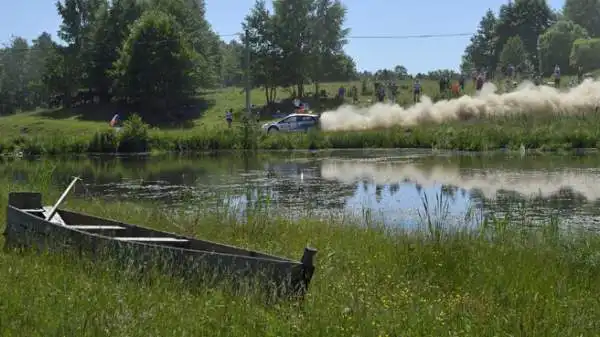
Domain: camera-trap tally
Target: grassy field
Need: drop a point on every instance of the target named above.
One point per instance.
(504, 278)
(85, 129)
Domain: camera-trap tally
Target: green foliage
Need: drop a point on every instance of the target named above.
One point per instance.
(134, 135)
(156, 64)
(553, 43)
(514, 53)
(105, 141)
(543, 132)
(584, 13)
(481, 51)
(585, 54)
(300, 41)
(525, 19)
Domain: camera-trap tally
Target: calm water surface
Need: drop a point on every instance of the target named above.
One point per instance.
(384, 185)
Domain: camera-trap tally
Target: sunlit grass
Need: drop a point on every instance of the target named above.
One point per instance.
(501, 278)
(33, 133)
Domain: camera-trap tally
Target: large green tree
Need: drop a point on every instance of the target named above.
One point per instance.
(585, 13)
(514, 53)
(190, 15)
(15, 75)
(156, 64)
(527, 19)
(556, 44)
(78, 19)
(266, 57)
(481, 51)
(294, 38)
(328, 37)
(112, 28)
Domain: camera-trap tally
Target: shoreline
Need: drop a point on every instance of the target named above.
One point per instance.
(455, 137)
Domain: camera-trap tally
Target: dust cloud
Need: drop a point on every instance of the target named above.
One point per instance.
(527, 98)
(488, 181)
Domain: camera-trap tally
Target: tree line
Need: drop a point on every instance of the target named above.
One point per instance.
(530, 36)
(157, 53)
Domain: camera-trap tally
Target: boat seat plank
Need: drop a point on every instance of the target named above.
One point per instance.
(150, 239)
(92, 227)
(36, 210)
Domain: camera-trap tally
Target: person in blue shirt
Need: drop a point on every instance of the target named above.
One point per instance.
(417, 91)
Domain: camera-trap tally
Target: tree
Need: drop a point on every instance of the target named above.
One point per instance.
(292, 22)
(585, 13)
(556, 44)
(481, 52)
(59, 73)
(15, 75)
(231, 73)
(514, 53)
(39, 55)
(328, 37)
(342, 68)
(401, 72)
(157, 65)
(78, 17)
(111, 30)
(265, 55)
(527, 19)
(585, 54)
(190, 15)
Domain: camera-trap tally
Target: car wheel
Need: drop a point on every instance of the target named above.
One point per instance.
(273, 129)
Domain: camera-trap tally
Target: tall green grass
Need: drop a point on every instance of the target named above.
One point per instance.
(501, 278)
(556, 132)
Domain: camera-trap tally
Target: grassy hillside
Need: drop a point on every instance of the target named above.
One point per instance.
(202, 126)
(209, 111)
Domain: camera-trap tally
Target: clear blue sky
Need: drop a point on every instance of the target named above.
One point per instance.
(375, 17)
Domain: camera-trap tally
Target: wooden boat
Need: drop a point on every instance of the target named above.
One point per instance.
(30, 225)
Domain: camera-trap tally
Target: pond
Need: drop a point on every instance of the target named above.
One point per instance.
(391, 186)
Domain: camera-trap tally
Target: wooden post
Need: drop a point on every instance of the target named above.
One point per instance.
(308, 258)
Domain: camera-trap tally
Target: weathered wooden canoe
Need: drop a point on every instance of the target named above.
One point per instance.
(28, 226)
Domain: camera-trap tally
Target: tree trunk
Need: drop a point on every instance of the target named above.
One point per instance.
(267, 94)
(300, 86)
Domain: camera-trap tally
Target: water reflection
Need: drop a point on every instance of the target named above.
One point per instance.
(386, 185)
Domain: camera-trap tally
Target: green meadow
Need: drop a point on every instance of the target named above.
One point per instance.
(85, 129)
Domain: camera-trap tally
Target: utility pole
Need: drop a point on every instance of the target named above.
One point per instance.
(247, 75)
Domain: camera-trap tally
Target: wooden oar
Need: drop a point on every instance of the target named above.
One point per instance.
(62, 197)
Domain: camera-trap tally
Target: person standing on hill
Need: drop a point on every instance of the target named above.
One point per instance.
(580, 74)
(510, 71)
(443, 84)
(417, 91)
(461, 82)
(479, 82)
(341, 92)
(455, 89)
(354, 94)
(393, 91)
(381, 93)
(557, 76)
(229, 117)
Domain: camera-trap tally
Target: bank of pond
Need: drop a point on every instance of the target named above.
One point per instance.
(546, 133)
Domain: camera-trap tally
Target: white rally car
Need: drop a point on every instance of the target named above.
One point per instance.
(293, 123)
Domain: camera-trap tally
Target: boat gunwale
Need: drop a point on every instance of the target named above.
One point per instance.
(283, 260)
